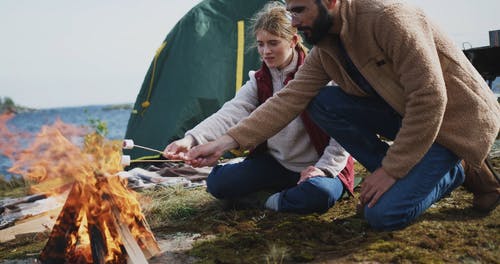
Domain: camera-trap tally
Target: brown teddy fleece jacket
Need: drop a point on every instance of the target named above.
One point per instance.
(412, 65)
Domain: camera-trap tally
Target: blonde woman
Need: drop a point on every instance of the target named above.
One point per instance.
(308, 170)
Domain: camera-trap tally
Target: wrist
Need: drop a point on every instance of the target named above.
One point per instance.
(227, 142)
(190, 140)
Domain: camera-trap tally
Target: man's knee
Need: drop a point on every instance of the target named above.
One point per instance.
(386, 219)
(328, 100)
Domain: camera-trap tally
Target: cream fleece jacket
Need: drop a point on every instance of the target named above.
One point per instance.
(291, 146)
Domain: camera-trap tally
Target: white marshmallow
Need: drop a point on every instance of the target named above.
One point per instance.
(128, 144)
(125, 160)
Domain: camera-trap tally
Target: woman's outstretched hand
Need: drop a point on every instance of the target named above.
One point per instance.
(209, 153)
(179, 148)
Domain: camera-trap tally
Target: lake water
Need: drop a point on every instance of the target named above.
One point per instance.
(31, 122)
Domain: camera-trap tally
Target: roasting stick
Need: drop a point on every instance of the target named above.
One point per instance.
(129, 144)
(126, 161)
(139, 161)
(150, 149)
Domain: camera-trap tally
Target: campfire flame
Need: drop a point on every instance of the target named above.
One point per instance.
(98, 203)
(9, 141)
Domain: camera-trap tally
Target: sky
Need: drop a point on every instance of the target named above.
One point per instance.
(57, 53)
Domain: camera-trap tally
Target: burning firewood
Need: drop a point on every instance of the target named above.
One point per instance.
(105, 233)
(101, 220)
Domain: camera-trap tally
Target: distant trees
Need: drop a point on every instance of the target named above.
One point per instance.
(7, 104)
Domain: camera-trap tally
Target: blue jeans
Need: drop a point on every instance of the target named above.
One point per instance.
(355, 123)
(263, 172)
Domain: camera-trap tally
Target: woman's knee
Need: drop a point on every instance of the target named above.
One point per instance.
(317, 200)
(216, 185)
(308, 198)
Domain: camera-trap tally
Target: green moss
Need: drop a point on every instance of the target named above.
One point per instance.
(383, 246)
(450, 231)
(303, 256)
(235, 248)
(26, 245)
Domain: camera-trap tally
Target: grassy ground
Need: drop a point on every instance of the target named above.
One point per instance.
(15, 187)
(449, 232)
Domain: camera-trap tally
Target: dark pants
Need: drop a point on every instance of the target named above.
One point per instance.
(263, 172)
(355, 123)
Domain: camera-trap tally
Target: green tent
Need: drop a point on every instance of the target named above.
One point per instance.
(202, 62)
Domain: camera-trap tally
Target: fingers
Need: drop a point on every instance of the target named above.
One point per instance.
(307, 177)
(202, 162)
(368, 190)
(174, 153)
(304, 175)
(374, 186)
(302, 179)
(374, 199)
(310, 172)
(202, 155)
(177, 149)
(364, 196)
(369, 195)
(195, 153)
(170, 151)
(209, 153)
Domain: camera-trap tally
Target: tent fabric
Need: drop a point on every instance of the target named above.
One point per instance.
(198, 67)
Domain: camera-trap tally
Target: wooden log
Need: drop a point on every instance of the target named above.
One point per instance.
(61, 246)
(134, 252)
(150, 245)
(97, 245)
(66, 226)
(27, 199)
(147, 242)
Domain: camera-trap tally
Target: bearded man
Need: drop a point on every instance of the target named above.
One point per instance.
(399, 77)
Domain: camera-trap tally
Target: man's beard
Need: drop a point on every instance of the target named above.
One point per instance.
(320, 27)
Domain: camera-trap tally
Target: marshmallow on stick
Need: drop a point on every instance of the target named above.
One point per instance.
(129, 144)
(125, 160)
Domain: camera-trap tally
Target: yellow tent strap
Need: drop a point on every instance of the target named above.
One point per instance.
(147, 103)
(239, 55)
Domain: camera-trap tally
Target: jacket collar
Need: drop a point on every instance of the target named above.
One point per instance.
(347, 10)
(290, 68)
(265, 73)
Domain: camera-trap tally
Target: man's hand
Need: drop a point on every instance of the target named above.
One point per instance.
(310, 172)
(374, 186)
(179, 148)
(209, 153)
